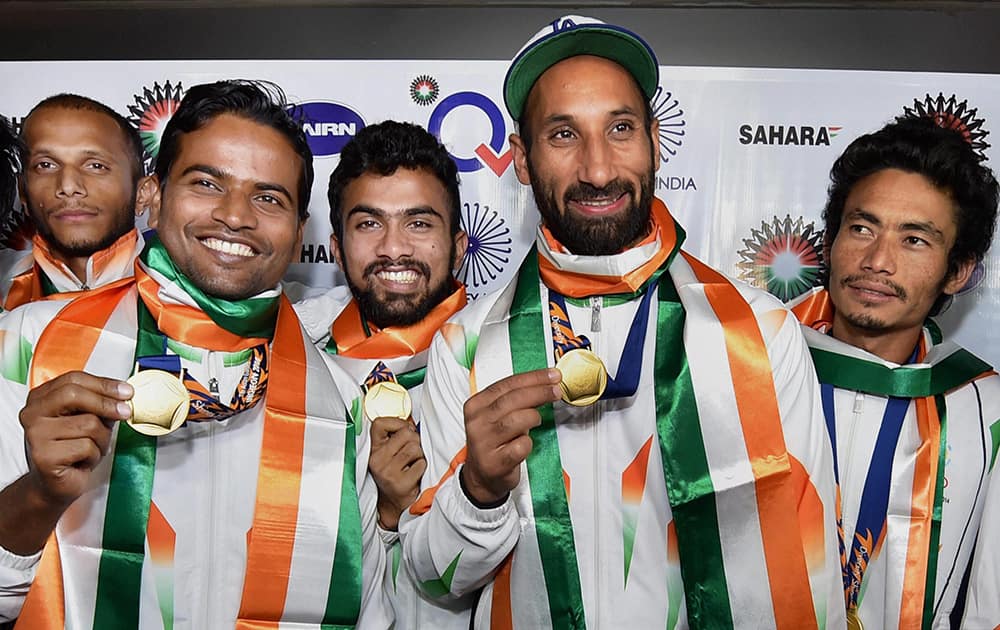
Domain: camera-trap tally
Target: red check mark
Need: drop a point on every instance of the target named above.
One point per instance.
(497, 163)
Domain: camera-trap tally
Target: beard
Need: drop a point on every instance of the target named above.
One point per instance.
(600, 236)
(82, 248)
(386, 309)
(865, 321)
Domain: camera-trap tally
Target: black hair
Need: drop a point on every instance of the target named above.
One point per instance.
(11, 148)
(74, 101)
(259, 101)
(943, 156)
(385, 147)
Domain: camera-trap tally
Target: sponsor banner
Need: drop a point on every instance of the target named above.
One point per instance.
(744, 164)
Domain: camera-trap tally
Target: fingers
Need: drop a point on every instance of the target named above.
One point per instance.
(400, 451)
(383, 428)
(67, 426)
(520, 391)
(78, 392)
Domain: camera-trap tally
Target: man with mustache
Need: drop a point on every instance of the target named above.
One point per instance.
(911, 212)
(672, 469)
(397, 235)
(223, 484)
(82, 186)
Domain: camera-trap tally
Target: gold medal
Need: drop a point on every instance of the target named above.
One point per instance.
(853, 621)
(583, 377)
(387, 399)
(159, 402)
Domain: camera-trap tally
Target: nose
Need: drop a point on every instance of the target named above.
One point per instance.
(879, 256)
(235, 211)
(395, 242)
(597, 166)
(70, 183)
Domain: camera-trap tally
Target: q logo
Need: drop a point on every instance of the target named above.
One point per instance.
(488, 154)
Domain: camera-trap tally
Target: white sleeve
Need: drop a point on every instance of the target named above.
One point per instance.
(16, 572)
(449, 545)
(982, 604)
(376, 610)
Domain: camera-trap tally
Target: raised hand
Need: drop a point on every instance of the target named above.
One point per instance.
(497, 422)
(396, 463)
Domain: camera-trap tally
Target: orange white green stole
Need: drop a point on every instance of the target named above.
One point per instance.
(44, 276)
(711, 521)
(292, 509)
(937, 368)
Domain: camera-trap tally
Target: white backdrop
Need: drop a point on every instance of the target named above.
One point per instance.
(746, 152)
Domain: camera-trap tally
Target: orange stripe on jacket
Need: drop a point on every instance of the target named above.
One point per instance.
(757, 404)
(423, 503)
(44, 607)
(921, 512)
(269, 555)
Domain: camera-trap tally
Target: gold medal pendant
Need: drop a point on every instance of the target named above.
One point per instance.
(583, 377)
(853, 621)
(387, 399)
(159, 403)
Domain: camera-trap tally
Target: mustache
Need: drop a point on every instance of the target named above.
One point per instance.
(380, 265)
(582, 191)
(897, 289)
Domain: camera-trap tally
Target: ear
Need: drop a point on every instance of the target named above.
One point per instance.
(145, 189)
(335, 251)
(960, 278)
(461, 246)
(520, 159)
(654, 137)
(155, 201)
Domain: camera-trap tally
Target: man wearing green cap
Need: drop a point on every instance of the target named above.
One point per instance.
(673, 470)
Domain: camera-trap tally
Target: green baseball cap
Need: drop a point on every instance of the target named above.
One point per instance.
(573, 35)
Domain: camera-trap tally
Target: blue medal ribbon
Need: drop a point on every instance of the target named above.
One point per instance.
(870, 526)
(626, 381)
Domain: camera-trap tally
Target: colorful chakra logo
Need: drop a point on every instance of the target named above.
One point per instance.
(667, 110)
(950, 114)
(489, 245)
(424, 90)
(150, 114)
(784, 256)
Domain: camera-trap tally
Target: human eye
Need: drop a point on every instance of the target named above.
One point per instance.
(623, 127)
(206, 184)
(43, 165)
(367, 224)
(562, 135)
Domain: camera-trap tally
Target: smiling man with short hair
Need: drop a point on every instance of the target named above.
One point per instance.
(397, 235)
(598, 429)
(223, 485)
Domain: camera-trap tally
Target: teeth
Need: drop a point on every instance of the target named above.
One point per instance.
(226, 247)
(404, 277)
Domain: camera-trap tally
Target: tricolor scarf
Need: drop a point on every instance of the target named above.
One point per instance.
(42, 275)
(130, 318)
(939, 367)
(695, 417)
(351, 336)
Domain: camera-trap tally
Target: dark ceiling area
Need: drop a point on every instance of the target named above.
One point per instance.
(954, 36)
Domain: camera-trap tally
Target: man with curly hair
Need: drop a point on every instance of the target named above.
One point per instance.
(913, 418)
